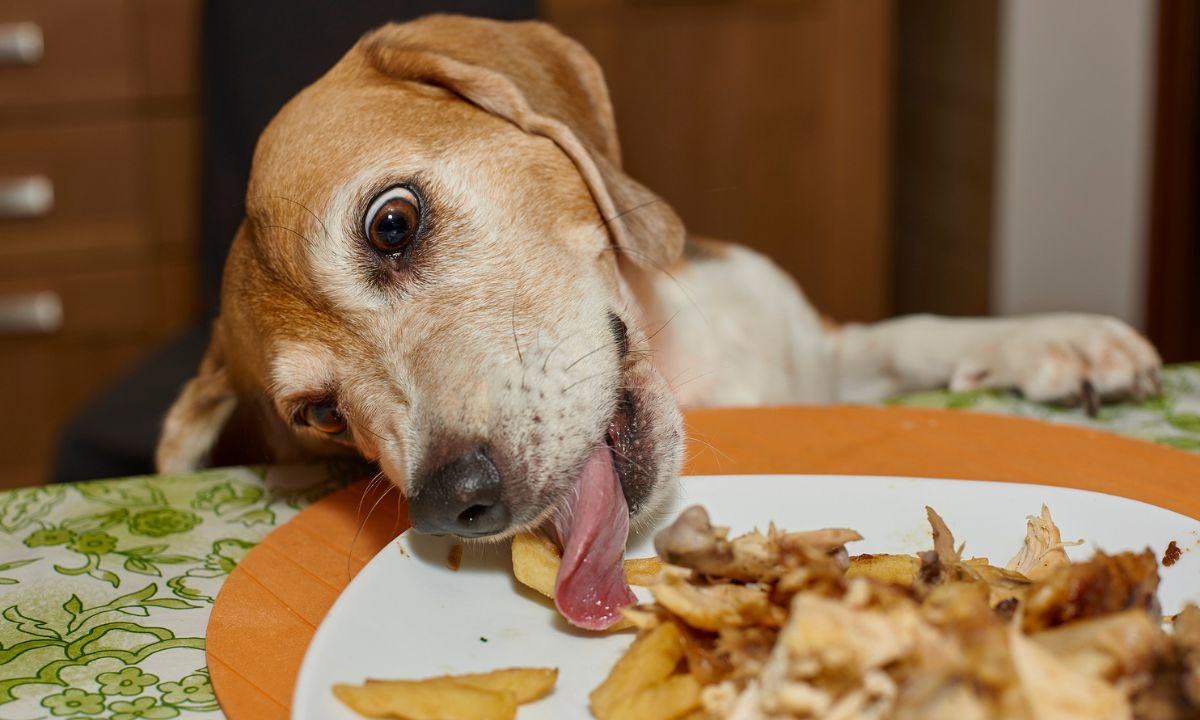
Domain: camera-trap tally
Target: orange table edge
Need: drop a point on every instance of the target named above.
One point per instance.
(272, 603)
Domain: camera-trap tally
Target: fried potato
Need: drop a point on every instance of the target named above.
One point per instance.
(895, 569)
(535, 564)
(524, 684)
(642, 571)
(473, 696)
(673, 698)
(434, 699)
(650, 660)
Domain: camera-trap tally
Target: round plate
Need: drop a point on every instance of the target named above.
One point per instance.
(408, 615)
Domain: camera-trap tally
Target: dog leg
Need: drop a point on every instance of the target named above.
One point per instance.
(1048, 358)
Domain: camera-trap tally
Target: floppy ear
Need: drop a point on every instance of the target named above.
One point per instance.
(195, 420)
(546, 84)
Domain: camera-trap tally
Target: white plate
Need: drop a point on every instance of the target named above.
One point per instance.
(406, 615)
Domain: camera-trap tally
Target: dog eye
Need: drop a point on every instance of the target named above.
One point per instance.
(392, 220)
(323, 415)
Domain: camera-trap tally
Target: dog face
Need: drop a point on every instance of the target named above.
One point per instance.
(431, 275)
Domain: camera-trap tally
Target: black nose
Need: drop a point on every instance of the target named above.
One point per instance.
(462, 497)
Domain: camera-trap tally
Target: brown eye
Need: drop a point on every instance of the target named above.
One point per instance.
(323, 415)
(392, 220)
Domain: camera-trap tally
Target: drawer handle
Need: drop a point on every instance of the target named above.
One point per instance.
(39, 313)
(20, 43)
(26, 197)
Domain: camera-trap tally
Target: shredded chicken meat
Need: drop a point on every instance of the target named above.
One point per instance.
(787, 626)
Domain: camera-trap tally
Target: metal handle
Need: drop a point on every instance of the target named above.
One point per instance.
(39, 313)
(21, 43)
(26, 197)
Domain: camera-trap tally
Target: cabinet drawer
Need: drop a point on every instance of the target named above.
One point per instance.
(85, 52)
(96, 208)
(123, 303)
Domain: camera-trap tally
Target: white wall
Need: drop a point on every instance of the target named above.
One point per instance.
(1076, 94)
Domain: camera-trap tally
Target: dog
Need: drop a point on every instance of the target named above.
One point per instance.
(444, 270)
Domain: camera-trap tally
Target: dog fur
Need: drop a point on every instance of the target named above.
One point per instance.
(496, 330)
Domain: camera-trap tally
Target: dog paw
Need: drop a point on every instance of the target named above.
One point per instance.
(1064, 358)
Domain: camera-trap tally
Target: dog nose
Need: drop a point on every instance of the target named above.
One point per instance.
(463, 498)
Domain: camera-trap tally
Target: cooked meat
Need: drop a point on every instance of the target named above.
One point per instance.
(692, 542)
(1043, 550)
(712, 607)
(1105, 584)
(776, 628)
(1187, 646)
(1109, 647)
(1054, 689)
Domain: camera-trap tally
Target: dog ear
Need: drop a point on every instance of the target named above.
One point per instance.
(546, 84)
(195, 421)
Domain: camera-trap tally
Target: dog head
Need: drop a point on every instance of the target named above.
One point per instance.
(438, 271)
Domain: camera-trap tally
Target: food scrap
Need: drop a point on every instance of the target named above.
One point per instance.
(788, 626)
(1172, 555)
(492, 695)
(454, 559)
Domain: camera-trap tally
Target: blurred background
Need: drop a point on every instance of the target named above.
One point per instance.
(965, 158)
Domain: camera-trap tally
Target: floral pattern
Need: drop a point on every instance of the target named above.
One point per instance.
(106, 587)
(74, 701)
(1171, 418)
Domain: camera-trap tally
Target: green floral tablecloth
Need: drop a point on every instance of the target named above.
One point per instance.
(106, 587)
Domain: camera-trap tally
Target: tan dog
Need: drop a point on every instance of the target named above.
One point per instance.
(443, 269)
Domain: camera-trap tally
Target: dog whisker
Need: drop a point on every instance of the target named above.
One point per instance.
(303, 207)
(584, 379)
(587, 354)
(362, 525)
(675, 386)
(689, 439)
(357, 425)
(556, 346)
(516, 342)
(605, 221)
(358, 512)
(288, 229)
(661, 327)
(658, 266)
(628, 459)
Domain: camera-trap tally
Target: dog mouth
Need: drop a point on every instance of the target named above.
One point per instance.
(591, 526)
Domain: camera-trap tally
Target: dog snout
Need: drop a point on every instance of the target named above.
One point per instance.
(463, 497)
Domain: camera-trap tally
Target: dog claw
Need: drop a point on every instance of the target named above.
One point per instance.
(1091, 399)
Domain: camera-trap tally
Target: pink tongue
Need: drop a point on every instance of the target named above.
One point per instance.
(593, 527)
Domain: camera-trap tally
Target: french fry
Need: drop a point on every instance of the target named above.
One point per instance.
(895, 569)
(650, 660)
(673, 698)
(535, 564)
(434, 699)
(642, 571)
(524, 684)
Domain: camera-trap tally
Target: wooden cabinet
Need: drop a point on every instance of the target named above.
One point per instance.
(99, 167)
(766, 122)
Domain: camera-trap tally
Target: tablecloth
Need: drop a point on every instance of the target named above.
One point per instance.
(106, 586)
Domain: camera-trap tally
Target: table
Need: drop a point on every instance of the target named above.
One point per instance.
(106, 587)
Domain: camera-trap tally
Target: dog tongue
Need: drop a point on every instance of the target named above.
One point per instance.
(593, 527)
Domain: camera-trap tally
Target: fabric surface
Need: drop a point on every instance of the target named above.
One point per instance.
(106, 587)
